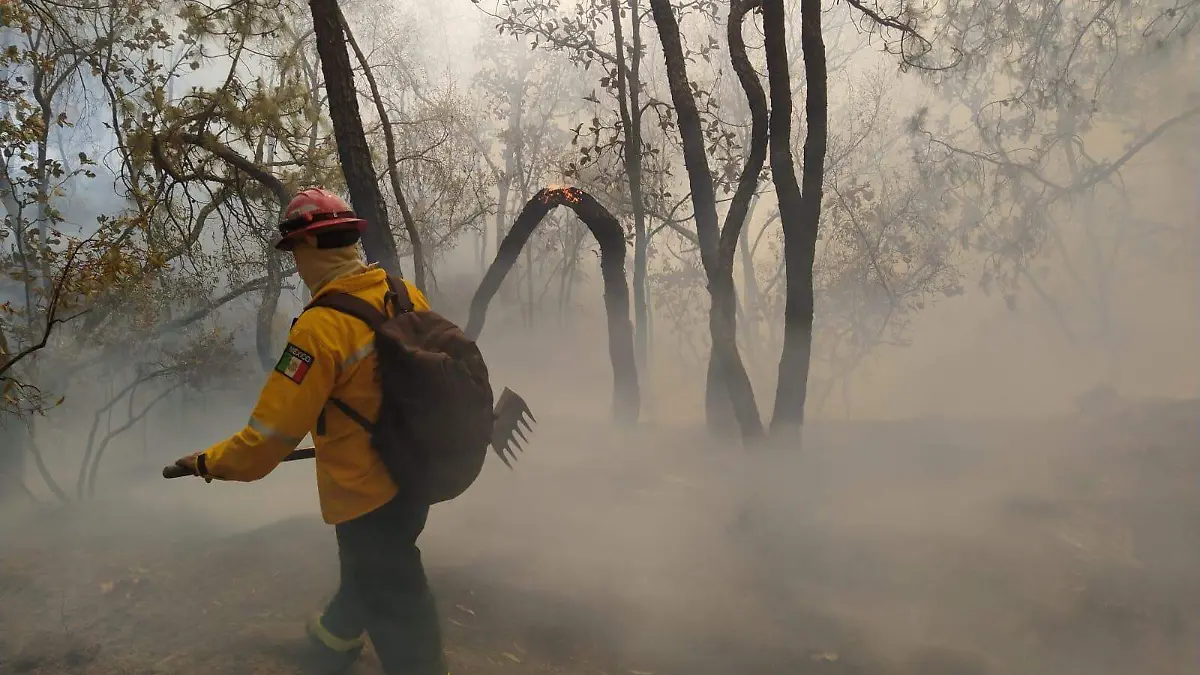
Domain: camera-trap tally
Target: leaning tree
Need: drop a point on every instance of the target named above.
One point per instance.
(611, 238)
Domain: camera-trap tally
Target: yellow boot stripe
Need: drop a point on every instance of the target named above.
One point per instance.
(330, 640)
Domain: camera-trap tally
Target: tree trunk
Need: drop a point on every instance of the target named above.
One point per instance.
(799, 212)
(12, 451)
(716, 246)
(750, 292)
(629, 95)
(353, 151)
(1104, 266)
(389, 139)
(511, 137)
(505, 184)
(529, 286)
(264, 334)
(611, 238)
(43, 201)
(40, 462)
(567, 284)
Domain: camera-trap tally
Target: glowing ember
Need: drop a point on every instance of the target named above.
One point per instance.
(566, 193)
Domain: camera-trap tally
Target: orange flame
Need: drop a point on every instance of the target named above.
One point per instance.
(566, 193)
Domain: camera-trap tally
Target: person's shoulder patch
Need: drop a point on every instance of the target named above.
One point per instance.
(294, 363)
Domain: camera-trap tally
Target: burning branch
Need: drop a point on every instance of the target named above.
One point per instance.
(560, 195)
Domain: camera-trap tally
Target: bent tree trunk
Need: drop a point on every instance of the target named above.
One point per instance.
(353, 151)
(611, 238)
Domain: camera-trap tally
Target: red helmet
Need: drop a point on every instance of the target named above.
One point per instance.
(315, 211)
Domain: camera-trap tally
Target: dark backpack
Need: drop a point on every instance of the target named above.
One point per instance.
(435, 417)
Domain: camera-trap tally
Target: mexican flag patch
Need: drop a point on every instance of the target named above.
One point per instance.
(294, 363)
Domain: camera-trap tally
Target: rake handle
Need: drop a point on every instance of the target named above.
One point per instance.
(176, 471)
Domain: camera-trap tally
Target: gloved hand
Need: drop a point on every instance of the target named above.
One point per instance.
(194, 464)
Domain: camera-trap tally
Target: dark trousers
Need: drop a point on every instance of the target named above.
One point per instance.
(383, 590)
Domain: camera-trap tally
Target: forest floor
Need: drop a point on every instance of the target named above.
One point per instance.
(931, 547)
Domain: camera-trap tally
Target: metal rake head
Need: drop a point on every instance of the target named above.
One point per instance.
(511, 412)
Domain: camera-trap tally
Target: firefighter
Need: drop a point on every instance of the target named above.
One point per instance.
(383, 590)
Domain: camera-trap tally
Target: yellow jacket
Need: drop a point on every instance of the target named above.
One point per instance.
(328, 354)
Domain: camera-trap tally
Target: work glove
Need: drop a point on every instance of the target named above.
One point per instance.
(194, 464)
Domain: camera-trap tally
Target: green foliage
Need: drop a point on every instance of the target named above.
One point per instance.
(216, 112)
(93, 292)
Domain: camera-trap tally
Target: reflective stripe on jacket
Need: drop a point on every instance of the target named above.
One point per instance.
(328, 354)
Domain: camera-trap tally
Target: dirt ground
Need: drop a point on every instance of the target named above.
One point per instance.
(933, 547)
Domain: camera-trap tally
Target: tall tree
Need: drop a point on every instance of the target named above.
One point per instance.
(717, 244)
(393, 168)
(629, 102)
(799, 209)
(352, 145)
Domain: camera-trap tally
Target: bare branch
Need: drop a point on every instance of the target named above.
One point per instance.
(393, 171)
(52, 318)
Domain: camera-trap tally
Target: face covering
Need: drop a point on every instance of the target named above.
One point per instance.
(319, 266)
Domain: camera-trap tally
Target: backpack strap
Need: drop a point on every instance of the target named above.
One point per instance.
(400, 300)
(353, 414)
(365, 312)
(352, 305)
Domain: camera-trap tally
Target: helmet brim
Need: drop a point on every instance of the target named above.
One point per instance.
(288, 242)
